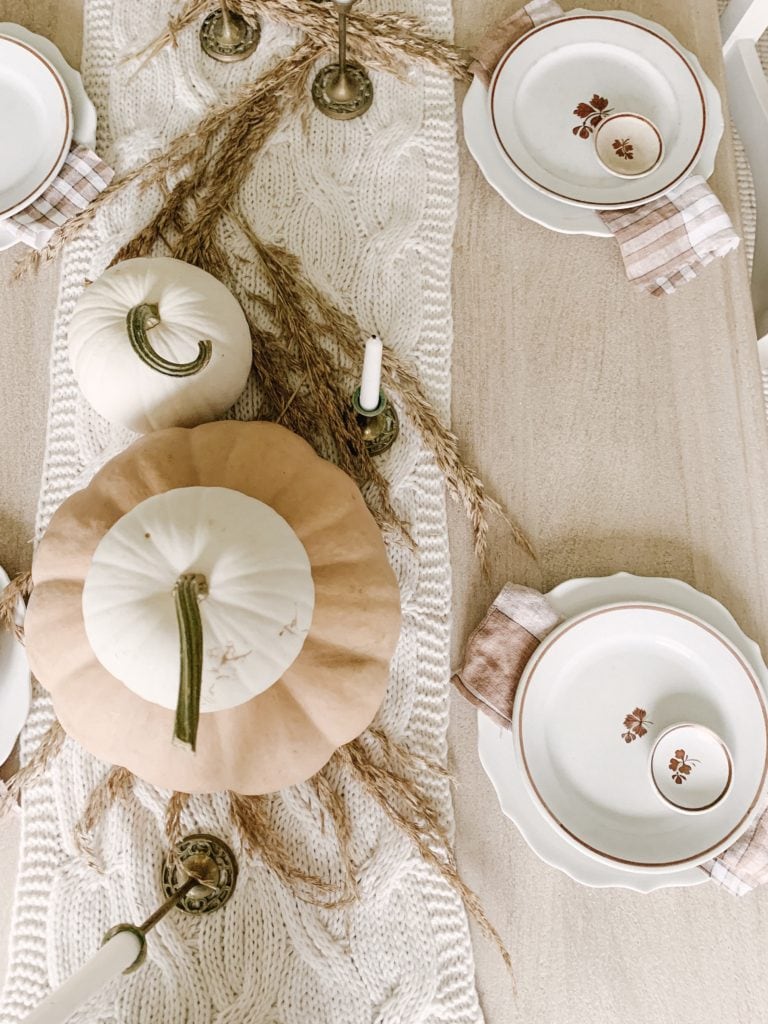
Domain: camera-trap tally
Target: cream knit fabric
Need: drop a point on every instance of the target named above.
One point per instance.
(370, 207)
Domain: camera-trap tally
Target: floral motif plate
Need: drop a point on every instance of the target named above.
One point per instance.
(496, 745)
(544, 209)
(556, 84)
(83, 111)
(592, 701)
(35, 124)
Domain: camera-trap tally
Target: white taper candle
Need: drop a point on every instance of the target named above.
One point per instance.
(114, 957)
(371, 382)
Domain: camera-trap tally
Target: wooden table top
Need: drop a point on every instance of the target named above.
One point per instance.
(624, 432)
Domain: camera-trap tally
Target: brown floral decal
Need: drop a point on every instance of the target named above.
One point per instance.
(681, 766)
(635, 725)
(624, 148)
(591, 115)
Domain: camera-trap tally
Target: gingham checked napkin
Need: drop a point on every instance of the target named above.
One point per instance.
(82, 177)
(494, 659)
(663, 243)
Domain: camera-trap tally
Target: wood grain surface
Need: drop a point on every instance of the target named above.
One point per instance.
(625, 433)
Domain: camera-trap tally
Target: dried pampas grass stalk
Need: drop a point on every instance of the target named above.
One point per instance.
(252, 818)
(116, 785)
(406, 807)
(383, 42)
(29, 773)
(18, 589)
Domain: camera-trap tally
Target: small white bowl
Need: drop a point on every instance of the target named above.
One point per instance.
(628, 145)
(691, 768)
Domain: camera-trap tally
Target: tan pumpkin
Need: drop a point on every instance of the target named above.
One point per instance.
(260, 728)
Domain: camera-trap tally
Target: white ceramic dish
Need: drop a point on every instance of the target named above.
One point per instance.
(628, 145)
(553, 87)
(15, 686)
(544, 209)
(35, 124)
(592, 701)
(496, 746)
(83, 111)
(691, 768)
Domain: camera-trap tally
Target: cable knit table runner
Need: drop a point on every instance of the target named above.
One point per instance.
(370, 208)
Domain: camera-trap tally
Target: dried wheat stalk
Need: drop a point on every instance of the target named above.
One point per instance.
(47, 751)
(383, 42)
(406, 807)
(18, 589)
(116, 785)
(252, 818)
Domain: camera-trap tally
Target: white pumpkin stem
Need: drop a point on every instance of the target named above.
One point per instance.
(142, 319)
(189, 589)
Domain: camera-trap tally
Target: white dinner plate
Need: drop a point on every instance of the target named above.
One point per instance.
(35, 124)
(15, 686)
(83, 111)
(496, 745)
(554, 86)
(545, 209)
(590, 705)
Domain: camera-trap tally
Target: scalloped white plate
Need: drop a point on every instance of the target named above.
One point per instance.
(496, 746)
(83, 111)
(15, 684)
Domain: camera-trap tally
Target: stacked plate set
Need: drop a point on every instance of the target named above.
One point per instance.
(592, 112)
(43, 108)
(639, 741)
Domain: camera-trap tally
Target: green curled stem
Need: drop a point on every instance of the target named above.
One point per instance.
(140, 320)
(187, 593)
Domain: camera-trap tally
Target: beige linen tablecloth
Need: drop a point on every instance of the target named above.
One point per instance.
(626, 433)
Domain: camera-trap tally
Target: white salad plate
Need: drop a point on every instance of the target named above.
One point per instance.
(35, 124)
(497, 749)
(83, 111)
(15, 685)
(591, 703)
(554, 86)
(546, 209)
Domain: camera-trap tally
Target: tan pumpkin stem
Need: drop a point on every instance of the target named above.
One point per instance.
(189, 589)
(140, 320)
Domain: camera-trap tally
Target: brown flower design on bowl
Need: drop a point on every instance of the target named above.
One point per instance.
(624, 148)
(681, 766)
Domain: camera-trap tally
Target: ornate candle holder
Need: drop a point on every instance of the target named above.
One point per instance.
(380, 426)
(343, 90)
(198, 877)
(228, 37)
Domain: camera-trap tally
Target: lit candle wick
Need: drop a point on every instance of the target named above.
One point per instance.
(370, 386)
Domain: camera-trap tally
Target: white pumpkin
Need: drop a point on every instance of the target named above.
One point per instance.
(156, 342)
(247, 583)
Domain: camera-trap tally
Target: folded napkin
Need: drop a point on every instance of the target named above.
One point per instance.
(82, 176)
(494, 659)
(663, 243)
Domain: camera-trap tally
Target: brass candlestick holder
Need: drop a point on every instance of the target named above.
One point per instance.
(198, 877)
(343, 90)
(380, 426)
(227, 36)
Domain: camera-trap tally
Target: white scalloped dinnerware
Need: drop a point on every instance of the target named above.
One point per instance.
(15, 687)
(628, 145)
(83, 111)
(592, 701)
(554, 86)
(544, 209)
(496, 746)
(35, 124)
(691, 768)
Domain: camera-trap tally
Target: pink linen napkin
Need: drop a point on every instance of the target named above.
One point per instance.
(494, 659)
(82, 176)
(663, 243)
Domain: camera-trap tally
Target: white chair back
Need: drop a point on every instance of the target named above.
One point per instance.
(742, 23)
